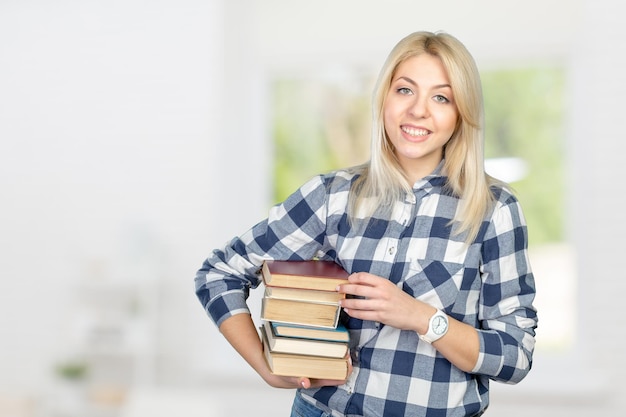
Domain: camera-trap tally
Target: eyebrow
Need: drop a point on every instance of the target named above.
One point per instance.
(435, 87)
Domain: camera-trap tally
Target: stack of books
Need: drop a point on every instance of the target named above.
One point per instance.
(300, 310)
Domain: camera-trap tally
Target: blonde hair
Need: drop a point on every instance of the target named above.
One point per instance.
(383, 181)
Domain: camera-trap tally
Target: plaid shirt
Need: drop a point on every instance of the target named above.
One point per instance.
(488, 285)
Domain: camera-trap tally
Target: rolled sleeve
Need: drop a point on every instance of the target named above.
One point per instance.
(226, 305)
(294, 230)
(222, 296)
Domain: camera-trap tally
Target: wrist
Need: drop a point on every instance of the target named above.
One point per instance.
(422, 317)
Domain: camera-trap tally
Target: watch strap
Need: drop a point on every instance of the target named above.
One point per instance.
(432, 335)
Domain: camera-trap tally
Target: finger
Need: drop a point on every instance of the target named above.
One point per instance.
(363, 278)
(357, 290)
(367, 315)
(359, 304)
(304, 383)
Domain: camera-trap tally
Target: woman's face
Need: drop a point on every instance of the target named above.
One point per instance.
(420, 114)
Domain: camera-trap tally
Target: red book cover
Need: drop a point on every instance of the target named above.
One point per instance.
(319, 275)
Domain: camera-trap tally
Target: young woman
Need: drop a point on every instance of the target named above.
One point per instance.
(436, 249)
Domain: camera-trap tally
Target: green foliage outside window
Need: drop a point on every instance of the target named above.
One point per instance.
(524, 118)
(318, 126)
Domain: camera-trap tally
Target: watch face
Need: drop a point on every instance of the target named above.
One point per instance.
(440, 324)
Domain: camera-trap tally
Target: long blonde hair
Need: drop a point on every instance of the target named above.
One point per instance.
(383, 181)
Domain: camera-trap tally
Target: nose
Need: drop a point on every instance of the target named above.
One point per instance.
(419, 107)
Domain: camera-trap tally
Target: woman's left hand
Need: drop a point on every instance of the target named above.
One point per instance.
(379, 299)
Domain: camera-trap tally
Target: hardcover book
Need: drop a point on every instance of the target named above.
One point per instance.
(338, 334)
(300, 346)
(319, 314)
(309, 366)
(313, 275)
(297, 294)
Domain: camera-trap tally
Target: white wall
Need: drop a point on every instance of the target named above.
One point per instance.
(598, 186)
(109, 120)
(138, 130)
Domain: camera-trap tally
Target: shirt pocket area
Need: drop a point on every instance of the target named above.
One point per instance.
(435, 282)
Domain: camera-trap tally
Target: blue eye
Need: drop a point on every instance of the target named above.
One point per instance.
(404, 90)
(441, 99)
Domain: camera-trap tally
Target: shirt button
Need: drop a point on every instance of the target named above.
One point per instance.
(392, 250)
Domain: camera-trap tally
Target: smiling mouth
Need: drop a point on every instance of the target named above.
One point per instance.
(415, 132)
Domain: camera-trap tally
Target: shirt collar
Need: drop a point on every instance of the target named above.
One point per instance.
(434, 179)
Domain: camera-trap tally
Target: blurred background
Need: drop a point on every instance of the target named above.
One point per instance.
(136, 136)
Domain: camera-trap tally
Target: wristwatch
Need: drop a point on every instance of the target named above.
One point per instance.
(437, 327)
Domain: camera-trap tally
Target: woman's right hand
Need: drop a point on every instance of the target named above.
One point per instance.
(241, 333)
(278, 381)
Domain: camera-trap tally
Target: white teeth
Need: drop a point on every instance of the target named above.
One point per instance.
(415, 132)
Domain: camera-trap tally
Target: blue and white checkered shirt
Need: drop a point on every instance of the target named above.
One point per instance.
(488, 285)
